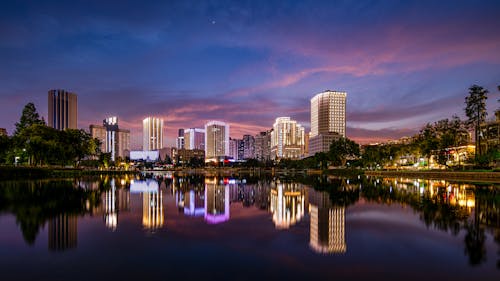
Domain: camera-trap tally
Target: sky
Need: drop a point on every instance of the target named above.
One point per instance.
(402, 63)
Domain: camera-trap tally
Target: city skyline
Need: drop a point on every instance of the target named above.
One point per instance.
(403, 64)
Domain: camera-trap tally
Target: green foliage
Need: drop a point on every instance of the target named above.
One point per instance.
(341, 150)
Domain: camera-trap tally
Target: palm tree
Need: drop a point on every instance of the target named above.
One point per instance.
(475, 110)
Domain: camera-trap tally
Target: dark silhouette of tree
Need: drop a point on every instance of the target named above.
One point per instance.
(475, 110)
(28, 118)
(341, 150)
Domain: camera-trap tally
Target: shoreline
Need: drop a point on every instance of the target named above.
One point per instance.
(14, 173)
(441, 175)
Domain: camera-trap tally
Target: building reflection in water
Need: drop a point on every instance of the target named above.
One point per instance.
(216, 201)
(115, 201)
(152, 202)
(189, 197)
(287, 204)
(63, 232)
(327, 230)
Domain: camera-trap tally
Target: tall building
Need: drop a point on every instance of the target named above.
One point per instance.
(234, 148)
(287, 139)
(248, 147)
(263, 146)
(194, 138)
(180, 141)
(152, 133)
(62, 110)
(328, 122)
(113, 139)
(216, 140)
(327, 229)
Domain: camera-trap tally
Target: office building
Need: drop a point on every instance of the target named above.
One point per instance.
(216, 141)
(287, 139)
(236, 149)
(194, 138)
(62, 110)
(152, 134)
(328, 120)
(179, 141)
(263, 146)
(113, 139)
(248, 147)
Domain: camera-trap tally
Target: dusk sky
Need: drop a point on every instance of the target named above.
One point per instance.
(402, 63)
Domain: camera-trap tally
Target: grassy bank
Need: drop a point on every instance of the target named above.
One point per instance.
(10, 172)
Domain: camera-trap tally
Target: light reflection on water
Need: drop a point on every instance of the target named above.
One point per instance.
(322, 203)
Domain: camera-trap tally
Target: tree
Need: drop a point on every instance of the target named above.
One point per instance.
(341, 150)
(475, 110)
(29, 117)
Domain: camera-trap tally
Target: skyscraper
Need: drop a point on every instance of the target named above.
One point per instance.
(113, 139)
(180, 141)
(62, 110)
(328, 122)
(287, 139)
(194, 138)
(152, 134)
(248, 147)
(263, 146)
(216, 141)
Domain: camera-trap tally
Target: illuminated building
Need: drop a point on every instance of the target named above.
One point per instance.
(328, 120)
(113, 139)
(180, 141)
(263, 146)
(327, 229)
(216, 201)
(216, 141)
(287, 139)
(3, 132)
(62, 232)
(152, 134)
(62, 110)
(194, 138)
(184, 156)
(236, 149)
(248, 147)
(287, 204)
(152, 209)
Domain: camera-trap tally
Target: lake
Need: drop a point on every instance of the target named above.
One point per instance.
(248, 228)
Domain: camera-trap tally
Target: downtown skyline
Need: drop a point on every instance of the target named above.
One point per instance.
(402, 64)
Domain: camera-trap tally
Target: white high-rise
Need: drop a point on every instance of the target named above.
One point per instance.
(216, 140)
(328, 120)
(287, 139)
(152, 134)
(194, 138)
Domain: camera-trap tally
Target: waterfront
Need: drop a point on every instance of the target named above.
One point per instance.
(246, 228)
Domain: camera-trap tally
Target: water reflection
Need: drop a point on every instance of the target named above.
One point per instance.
(216, 201)
(327, 226)
(63, 232)
(287, 203)
(471, 211)
(152, 202)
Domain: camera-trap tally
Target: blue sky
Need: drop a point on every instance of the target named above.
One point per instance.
(402, 63)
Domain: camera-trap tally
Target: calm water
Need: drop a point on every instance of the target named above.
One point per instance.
(205, 228)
